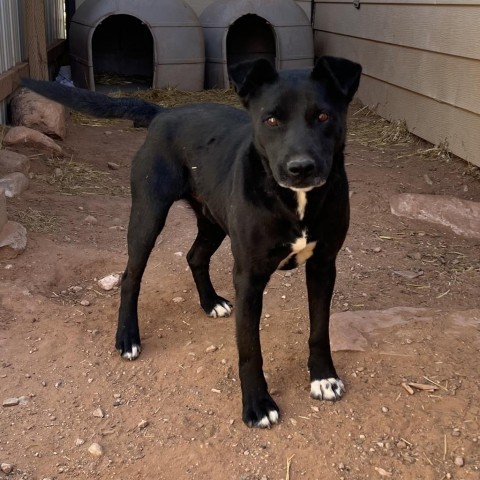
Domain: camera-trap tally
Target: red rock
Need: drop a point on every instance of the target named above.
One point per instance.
(461, 216)
(34, 111)
(14, 184)
(3, 210)
(13, 162)
(32, 138)
(13, 240)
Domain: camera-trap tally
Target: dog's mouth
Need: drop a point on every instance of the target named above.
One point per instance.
(304, 186)
(300, 173)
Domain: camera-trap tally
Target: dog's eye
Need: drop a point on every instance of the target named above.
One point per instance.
(271, 122)
(323, 117)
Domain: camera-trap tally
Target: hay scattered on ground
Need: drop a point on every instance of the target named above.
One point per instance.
(36, 221)
(79, 178)
(371, 130)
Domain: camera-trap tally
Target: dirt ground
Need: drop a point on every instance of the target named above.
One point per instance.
(57, 333)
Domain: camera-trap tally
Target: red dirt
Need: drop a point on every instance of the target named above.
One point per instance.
(60, 353)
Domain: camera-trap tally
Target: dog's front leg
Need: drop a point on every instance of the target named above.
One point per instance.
(259, 409)
(324, 381)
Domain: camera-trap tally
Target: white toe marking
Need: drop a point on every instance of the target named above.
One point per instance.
(268, 421)
(133, 354)
(264, 423)
(273, 416)
(329, 389)
(221, 310)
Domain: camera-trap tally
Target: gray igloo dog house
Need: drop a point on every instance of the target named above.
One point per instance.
(235, 31)
(160, 43)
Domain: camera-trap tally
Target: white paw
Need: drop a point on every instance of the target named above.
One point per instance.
(329, 389)
(133, 354)
(268, 421)
(221, 310)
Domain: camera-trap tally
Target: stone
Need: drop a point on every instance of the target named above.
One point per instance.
(113, 166)
(6, 468)
(90, 219)
(79, 442)
(30, 138)
(109, 282)
(143, 424)
(178, 300)
(13, 162)
(211, 348)
(13, 240)
(99, 413)
(14, 184)
(461, 216)
(3, 209)
(34, 111)
(11, 402)
(95, 449)
(459, 461)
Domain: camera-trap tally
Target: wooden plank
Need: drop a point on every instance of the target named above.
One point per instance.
(56, 50)
(447, 79)
(36, 39)
(10, 80)
(450, 29)
(431, 120)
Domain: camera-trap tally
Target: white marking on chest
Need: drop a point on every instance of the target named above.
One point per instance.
(301, 249)
(302, 203)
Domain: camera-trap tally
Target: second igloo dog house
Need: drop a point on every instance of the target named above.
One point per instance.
(161, 42)
(234, 30)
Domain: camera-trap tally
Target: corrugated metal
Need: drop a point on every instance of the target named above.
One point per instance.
(12, 33)
(11, 40)
(55, 20)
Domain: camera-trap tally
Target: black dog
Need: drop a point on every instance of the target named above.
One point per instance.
(273, 179)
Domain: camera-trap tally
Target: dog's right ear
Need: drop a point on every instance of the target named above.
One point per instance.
(248, 77)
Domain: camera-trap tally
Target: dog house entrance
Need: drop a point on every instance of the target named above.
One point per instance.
(250, 37)
(122, 53)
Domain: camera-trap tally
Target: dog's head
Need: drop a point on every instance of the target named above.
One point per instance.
(298, 116)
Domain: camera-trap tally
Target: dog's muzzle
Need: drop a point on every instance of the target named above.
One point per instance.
(301, 173)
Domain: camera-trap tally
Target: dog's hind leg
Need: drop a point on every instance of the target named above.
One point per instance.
(209, 238)
(324, 381)
(147, 219)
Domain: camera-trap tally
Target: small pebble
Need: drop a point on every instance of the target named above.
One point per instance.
(211, 348)
(99, 413)
(90, 219)
(143, 424)
(95, 449)
(459, 461)
(401, 445)
(109, 282)
(85, 303)
(113, 166)
(6, 468)
(384, 409)
(178, 300)
(79, 442)
(11, 402)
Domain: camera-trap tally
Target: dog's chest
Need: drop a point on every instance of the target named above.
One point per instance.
(301, 251)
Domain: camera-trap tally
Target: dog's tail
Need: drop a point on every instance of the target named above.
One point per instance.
(96, 104)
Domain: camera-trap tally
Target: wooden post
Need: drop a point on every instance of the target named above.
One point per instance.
(36, 39)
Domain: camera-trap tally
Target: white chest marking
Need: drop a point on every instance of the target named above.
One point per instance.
(302, 203)
(301, 250)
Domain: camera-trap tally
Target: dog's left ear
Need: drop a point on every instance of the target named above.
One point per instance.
(344, 74)
(248, 77)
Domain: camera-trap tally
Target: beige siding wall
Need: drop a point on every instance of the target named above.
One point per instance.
(421, 63)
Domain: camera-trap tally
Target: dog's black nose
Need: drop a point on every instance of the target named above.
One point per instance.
(300, 167)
